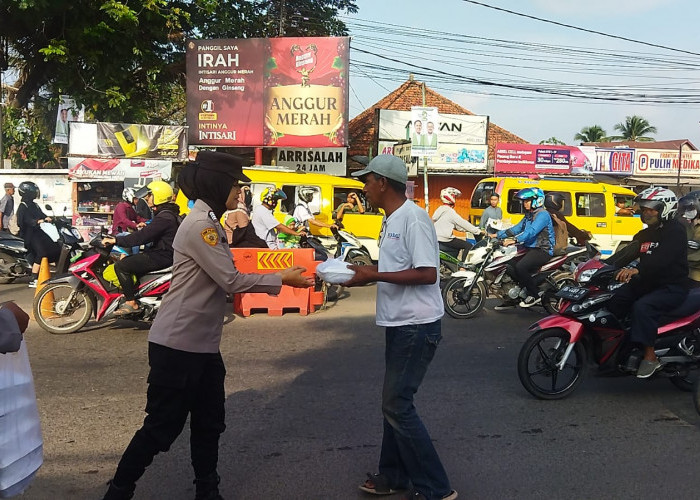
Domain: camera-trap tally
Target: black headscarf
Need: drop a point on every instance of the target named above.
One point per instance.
(210, 179)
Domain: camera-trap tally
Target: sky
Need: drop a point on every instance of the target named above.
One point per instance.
(629, 67)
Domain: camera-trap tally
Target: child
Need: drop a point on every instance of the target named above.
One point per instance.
(289, 240)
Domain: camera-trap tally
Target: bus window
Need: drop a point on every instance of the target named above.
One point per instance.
(590, 205)
(482, 193)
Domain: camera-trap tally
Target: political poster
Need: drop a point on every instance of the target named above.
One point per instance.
(68, 112)
(424, 136)
(452, 129)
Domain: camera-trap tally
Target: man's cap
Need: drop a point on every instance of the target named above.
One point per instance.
(223, 163)
(389, 166)
(9, 185)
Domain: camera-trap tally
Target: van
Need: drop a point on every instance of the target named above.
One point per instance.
(329, 193)
(588, 205)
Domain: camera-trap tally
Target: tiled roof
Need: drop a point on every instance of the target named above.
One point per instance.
(674, 144)
(362, 129)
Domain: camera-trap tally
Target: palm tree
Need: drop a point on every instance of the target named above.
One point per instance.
(594, 133)
(635, 128)
(552, 141)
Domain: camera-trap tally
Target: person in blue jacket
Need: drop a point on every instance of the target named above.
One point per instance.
(536, 232)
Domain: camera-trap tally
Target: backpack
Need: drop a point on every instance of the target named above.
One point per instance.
(561, 235)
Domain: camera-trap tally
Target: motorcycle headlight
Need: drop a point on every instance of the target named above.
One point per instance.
(75, 232)
(586, 275)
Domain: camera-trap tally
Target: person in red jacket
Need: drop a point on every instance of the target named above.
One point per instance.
(125, 217)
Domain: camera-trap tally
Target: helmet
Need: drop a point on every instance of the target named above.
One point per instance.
(28, 189)
(662, 200)
(689, 206)
(270, 196)
(129, 194)
(449, 195)
(554, 201)
(162, 192)
(289, 219)
(306, 194)
(534, 194)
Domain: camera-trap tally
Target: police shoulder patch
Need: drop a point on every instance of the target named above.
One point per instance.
(212, 216)
(210, 236)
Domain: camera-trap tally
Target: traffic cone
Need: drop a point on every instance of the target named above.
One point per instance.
(47, 302)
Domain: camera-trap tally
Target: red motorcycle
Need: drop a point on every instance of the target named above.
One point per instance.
(554, 359)
(67, 301)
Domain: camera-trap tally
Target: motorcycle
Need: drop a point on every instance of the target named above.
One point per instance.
(67, 301)
(553, 361)
(15, 259)
(464, 295)
(348, 247)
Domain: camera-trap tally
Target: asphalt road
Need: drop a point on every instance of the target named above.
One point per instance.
(304, 421)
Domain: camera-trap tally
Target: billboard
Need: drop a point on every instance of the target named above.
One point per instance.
(268, 92)
(614, 161)
(543, 159)
(128, 140)
(665, 162)
(424, 134)
(67, 112)
(117, 169)
(453, 129)
(320, 160)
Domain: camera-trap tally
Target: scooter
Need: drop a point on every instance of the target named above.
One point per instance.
(67, 301)
(554, 359)
(464, 295)
(349, 249)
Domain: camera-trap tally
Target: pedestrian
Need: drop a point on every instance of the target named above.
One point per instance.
(410, 306)
(493, 211)
(187, 370)
(7, 206)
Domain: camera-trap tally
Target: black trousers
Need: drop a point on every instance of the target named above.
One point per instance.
(645, 308)
(179, 383)
(453, 247)
(138, 265)
(524, 269)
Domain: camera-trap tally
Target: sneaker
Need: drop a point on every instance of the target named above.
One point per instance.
(414, 495)
(32, 284)
(505, 305)
(648, 368)
(530, 301)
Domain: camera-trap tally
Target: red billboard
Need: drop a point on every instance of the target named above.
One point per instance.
(268, 92)
(543, 159)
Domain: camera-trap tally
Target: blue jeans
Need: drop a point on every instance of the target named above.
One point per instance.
(408, 454)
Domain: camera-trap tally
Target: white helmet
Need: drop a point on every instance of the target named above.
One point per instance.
(306, 194)
(449, 195)
(129, 194)
(662, 200)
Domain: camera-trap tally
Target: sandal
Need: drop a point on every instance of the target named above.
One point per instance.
(378, 484)
(125, 309)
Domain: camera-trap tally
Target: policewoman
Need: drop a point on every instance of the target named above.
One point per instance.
(187, 371)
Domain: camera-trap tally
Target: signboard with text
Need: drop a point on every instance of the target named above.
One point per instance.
(614, 161)
(453, 129)
(116, 169)
(665, 162)
(543, 159)
(268, 92)
(320, 160)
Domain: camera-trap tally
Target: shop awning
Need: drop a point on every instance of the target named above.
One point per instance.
(665, 180)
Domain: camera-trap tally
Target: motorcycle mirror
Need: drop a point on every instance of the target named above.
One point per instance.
(48, 207)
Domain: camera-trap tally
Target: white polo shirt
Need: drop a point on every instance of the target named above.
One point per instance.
(264, 224)
(408, 241)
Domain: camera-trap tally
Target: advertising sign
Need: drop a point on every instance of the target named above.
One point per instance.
(459, 158)
(130, 140)
(321, 160)
(614, 161)
(115, 169)
(67, 112)
(271, 92)
(424, 137)
(543, 159)
(453, 129)
(665, 162)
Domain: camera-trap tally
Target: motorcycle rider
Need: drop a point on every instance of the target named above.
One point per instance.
(554, 203)
(125, 217)
(29, 216)
(160, 232)
(266, 225)
(660, 281)
(689, 216)
(446, 220)
(536, 232)
(304, 215)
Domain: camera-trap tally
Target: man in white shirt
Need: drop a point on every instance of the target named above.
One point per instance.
(409, 305)
(304, 215)
(264, 222)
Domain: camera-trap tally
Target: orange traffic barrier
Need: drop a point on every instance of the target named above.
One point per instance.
(261, 260)
(47, 302)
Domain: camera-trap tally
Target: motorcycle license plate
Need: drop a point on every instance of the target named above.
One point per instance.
(570, 292)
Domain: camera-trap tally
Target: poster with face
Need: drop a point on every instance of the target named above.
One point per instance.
(424, 131)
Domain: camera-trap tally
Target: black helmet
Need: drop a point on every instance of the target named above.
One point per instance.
(28, 189)
(554, 201)
(689, 206)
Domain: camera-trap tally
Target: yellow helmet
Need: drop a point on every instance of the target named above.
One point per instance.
(161, 191)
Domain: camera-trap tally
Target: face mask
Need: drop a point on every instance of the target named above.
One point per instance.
(690, 214)
(650, 220)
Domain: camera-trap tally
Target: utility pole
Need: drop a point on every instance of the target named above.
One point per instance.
(282, 5)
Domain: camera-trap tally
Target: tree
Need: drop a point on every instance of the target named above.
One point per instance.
(634, 128)
(594, 133)
(553, 141)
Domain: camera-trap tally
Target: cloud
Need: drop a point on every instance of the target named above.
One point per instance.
(599, 8)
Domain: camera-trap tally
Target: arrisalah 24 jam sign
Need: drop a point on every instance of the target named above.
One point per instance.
(290, 92)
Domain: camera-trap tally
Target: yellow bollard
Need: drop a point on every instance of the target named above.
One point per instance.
(47, 303)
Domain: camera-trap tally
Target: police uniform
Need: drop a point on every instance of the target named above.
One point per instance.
(187, 371)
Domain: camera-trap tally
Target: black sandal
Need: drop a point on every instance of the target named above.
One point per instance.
(378, 484)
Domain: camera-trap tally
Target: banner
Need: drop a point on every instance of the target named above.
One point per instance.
(271, 92)
(129, 140)
(424, 137)
(543, 159)
(115, 169)
(321, 160)
(458, 158)
(67, 112)
(614, 161)
(453, 129)
(665, 162)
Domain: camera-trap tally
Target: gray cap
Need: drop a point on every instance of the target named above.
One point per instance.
(389, 166)
(9, 185)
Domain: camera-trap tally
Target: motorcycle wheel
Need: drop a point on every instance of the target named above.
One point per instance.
(537, 362)
(550, 301)
(6, 260)
(696, 395)
(457, 305)
(360, 260)
(58, 313)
